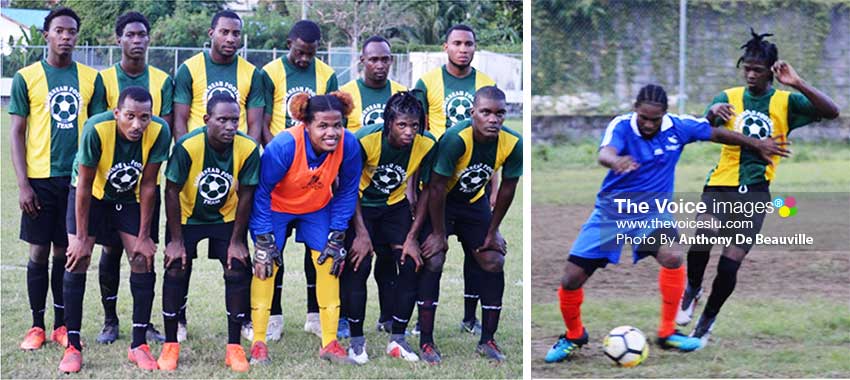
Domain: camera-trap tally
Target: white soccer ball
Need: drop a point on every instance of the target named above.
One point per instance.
(626, 346)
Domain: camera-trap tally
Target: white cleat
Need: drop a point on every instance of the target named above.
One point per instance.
(313, 324)
(248, 331)
(275, 328)
(685, 311)
(361, 358)
(401, 350)
(182, 333)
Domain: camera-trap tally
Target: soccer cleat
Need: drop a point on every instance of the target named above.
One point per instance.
(248, 331)
(343, 330)
(430, 354)
(260, 354)
(275, 328)
(491, 350)
(182, 333)
(72, 360)
(109, 333)
(153, 335)
(235, 358)
(680, 342)
(313, 325)
(400, 349)
(416, 331)
(473, 327)
(168, 357)
(34, 339)
(702, 331)
(386, 326)
(334, 353)
(690, 299)
(565, 348)
(357, 353)
(142, 357)
(60, 336)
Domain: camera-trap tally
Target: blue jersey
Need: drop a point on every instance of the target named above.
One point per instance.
(656, 156)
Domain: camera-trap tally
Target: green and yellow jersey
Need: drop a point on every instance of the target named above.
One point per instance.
(282, 79)
(448, 99)
(369, 102)
(470, 164)
(56, 103)
(209, 180)
(156, 81)
(386, 169)
(773, 114)
(199, 78)
(118, 162)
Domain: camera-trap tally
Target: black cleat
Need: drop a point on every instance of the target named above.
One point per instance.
(703, 328)
(109, 333)
(491, 350)
(153, 335)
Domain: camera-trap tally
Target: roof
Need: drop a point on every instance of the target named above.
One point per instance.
(28, 17)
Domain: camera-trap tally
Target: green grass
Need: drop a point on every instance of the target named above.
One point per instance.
(295, 356)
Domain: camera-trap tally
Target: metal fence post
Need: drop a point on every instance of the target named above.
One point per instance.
(683, 57)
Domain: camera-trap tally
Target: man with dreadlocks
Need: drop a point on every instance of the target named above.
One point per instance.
(743, 175)
(382, 224)
(641, 150)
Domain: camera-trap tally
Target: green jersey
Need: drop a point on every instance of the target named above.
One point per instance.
(447, 98)
(369, 102)
(156, 81)
(282, 79)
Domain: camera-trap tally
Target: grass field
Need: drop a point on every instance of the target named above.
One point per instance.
(202, 356)
(789, 315)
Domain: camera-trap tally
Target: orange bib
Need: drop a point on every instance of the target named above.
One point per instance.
(304, 190)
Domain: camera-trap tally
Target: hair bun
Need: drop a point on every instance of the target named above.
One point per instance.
(298, 104)
(346, 101)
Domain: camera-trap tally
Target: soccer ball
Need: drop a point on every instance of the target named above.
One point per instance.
(214, 187)
(458, 109)
(387, 178)
(756, 128)
(626, 346)
(374, 117)
(472, 179)
(124, 178)
(65, 107)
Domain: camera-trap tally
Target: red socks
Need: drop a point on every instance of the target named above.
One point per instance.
(571, 310)
(671, 282)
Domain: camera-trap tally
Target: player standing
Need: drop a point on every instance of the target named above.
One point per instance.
(50, 101)
(641, 150)
(741, 175)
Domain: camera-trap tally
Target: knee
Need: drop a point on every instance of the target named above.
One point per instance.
(39, 254)
(435, 263)
(82, 265)
(570, 282)
(574, 276)
(139, 264)
(670, 258)
(238, 273)
(491, 261)
(735, 253)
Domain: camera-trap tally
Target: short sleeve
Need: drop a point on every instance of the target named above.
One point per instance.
(19, 102)
(257, 97)
(333, 83)
(249, 175)
(90, 149)
(613, 135)
(177, 169)
(422, 95)
(159, 150)
(97, 103)
(720, 98)
(449, 150)
(513, 164)
(692, 129)
(167, 92)
(268, 92)
(801, 111)
(183, 85)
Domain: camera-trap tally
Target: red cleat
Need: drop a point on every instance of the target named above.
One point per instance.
(334, 353)
(260, 353)
(235, 358)
(34, 339)
(60, 336)
(168, 357)
(72, 360)
(142, 357)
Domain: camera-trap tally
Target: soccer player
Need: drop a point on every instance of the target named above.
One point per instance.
(370, 94)
(211, 176)
(468, 155)
(50, 101)
(132, 32)
(641, 150)
(298, 169)
(741, 175)
(112, 193)
(392, 152)
(448, 98)
(220, 70)
(298, 72)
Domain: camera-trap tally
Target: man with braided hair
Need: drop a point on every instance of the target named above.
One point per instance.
(297, 171)
(641, 150)
(742, 175)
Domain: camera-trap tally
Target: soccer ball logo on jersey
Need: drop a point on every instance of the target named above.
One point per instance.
(213, 185)
(124, 176)
(289, 93)
(458, 106)
(474, 177)
(388, 177)
(373, 114)
(64, 103)
(219, 87)
(754, 124)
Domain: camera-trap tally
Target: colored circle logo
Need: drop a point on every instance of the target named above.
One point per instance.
(787, 206)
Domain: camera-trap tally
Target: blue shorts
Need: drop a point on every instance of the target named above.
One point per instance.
(311, 228)
(602, 238)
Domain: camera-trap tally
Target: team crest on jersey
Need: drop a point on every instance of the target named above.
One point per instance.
(221, 86)
(289, 93)
(373, 114)
(754, 124)
(474, 177)
(458, 106)
(64, 103)
(213, 185)
(388, 177)
(124, 176)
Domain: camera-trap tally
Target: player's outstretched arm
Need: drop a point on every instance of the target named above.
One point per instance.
(785, 74)
(174, 250)
(766, 148)
(619, 164)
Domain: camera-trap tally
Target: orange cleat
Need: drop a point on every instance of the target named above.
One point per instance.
(72, 360)
(60, 336)
(334, 353)
(142, 357)
(260, 353)
(34, 339)
(235, 358)
(168, 357)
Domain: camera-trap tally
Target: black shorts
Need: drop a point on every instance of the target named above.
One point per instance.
(748, 226)
(218, 234)
(106, 219)
(468, 221)
(49, 226)
(386, 225)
